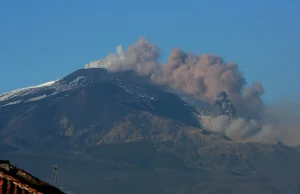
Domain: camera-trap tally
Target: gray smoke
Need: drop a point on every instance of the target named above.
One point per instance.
(202, 78)
(235, 128)
(280, 122)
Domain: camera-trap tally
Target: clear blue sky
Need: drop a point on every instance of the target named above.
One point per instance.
(44, 40)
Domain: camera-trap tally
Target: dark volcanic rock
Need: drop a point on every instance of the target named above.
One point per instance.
(225, 105)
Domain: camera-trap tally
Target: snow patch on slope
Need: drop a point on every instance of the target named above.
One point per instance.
(12, 103)
(77, 81)
(135, 90)
(45, 84)
(36, 98)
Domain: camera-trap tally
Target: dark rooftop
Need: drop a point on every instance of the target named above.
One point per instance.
(15, 180)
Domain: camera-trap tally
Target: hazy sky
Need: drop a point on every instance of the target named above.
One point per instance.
(45, 40)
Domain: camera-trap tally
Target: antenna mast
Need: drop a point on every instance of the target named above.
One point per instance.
(55, 172)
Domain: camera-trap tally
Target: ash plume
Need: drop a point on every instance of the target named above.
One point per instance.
(202, 78)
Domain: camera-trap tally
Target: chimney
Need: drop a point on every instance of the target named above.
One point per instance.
(5, 164)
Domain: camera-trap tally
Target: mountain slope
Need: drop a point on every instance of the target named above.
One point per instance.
(117, 128)
(86, 104)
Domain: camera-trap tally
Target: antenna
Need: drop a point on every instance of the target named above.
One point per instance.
(55, 172)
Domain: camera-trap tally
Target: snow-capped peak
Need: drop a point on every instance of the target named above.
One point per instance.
(30, 87)
(22, 92)
(75, 80)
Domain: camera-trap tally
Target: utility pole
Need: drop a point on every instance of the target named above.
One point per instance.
(55, 172)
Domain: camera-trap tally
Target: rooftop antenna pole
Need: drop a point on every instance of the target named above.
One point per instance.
(55, 172)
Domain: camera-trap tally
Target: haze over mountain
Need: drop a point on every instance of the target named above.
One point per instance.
(191, 124)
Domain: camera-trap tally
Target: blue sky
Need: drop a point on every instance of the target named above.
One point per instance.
(42, 41)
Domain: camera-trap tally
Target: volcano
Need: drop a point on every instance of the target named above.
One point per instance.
(117, 132)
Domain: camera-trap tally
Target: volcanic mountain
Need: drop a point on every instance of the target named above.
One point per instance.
(117, 132)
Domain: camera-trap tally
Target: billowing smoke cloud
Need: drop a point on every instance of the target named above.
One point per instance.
(202, 78)
(235, 128)
(278, 123)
